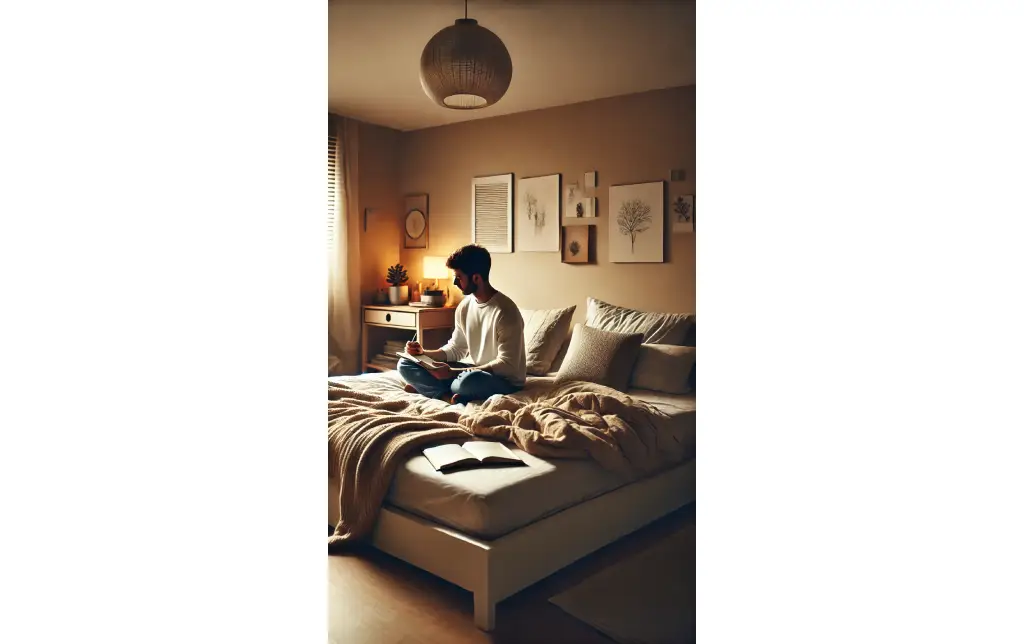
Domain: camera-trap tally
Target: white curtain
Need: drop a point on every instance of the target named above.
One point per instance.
(343, 325)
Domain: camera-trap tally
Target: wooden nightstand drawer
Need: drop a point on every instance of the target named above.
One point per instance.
(392, 318)
(386, 329)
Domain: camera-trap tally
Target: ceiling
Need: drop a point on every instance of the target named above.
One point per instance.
(563, 51)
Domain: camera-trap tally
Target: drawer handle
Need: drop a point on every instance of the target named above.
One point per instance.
(387, 318)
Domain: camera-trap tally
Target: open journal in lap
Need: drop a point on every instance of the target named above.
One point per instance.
(422, 360)
(446, 458)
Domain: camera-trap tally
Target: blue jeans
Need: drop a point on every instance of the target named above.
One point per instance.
(467, 385)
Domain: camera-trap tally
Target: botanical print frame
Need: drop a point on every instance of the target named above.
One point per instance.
(576, 244)
(681, 214)
(538, 214)
(416, 222)
(636, 227)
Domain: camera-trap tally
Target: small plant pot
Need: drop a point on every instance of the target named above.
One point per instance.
(399, 294)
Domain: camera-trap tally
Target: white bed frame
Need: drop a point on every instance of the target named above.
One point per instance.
(494, 570)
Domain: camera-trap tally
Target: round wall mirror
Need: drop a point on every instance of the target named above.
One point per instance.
(415, 224)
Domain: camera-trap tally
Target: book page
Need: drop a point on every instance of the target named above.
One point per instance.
(447, 456)
(490, 450)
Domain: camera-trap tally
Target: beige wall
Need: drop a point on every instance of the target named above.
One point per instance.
(378, 189)
(627, 139)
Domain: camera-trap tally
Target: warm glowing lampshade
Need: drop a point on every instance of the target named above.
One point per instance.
(434, 268)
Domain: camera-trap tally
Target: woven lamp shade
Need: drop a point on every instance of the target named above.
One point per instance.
(465, 67)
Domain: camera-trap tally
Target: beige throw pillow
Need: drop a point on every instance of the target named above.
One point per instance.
(544, 332)
(603, 357)
(665, 368)
(657, 328)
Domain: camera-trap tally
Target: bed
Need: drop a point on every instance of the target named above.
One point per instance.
(496, 531)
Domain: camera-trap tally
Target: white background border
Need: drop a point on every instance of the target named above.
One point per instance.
(164, 309)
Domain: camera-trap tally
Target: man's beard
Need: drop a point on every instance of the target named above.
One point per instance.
(468, 289)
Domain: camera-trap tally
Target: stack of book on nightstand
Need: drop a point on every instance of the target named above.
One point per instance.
(388, 358)
(384, 361)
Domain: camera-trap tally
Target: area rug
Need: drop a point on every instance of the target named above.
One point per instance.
(646, 599)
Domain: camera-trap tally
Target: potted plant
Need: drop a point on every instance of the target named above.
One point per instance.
(397, 277)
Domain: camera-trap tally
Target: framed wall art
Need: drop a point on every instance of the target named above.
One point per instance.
(492, 212)
(576, 244)
(416, 222)
(636, 230)
(538, 214)
(681, 214)
(571, 195)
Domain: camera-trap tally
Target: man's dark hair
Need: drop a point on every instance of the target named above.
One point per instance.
(471, 260)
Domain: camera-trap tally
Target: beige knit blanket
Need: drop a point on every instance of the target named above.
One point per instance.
(369, 436)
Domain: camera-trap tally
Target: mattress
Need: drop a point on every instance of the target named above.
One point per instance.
(491, 502)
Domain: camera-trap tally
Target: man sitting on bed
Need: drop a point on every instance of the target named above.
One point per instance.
(486, 354)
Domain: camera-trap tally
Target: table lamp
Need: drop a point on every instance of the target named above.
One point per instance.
(434, 268)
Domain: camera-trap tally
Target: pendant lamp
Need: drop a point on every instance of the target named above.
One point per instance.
(465, 66)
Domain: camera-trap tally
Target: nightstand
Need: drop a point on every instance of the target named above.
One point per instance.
(432, 327)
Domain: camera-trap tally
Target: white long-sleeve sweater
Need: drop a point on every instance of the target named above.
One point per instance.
(490, 334)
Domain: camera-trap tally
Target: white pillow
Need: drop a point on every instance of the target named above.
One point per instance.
(657, 328)
(544, 332)
(664, 367)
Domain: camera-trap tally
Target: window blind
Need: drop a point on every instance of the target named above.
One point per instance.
(332, 187)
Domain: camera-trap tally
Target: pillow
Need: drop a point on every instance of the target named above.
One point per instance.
(657, 328)
(544, 332)
(556, 364)
(604, 357)
(664, 367)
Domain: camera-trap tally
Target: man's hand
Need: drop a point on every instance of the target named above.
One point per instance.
(444, 373)
(413, 348)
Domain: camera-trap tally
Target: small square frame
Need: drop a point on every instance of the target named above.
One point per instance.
(581, 236)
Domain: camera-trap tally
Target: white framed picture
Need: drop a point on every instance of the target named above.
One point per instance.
(492, 212)
(538, 214)
(681, 214)
(636, 230)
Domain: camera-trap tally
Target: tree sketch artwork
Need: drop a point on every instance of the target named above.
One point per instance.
(538, 214)
(634, 218)
(535, 212)
(574, 248)
(639, 212)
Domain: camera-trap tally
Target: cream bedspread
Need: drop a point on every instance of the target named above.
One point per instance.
(369, 434)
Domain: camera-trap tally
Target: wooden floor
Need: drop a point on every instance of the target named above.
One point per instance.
(377, 599)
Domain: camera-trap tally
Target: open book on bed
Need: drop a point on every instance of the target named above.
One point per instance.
(446, 458)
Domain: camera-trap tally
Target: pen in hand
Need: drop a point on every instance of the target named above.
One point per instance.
(413, 347)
